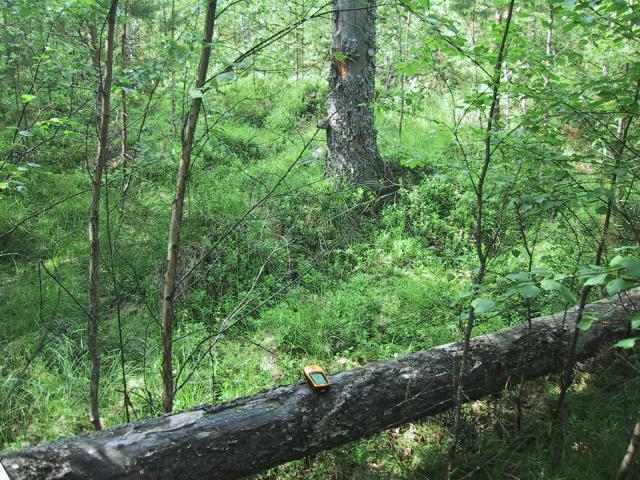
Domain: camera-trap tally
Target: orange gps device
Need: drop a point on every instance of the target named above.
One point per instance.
(317, 377)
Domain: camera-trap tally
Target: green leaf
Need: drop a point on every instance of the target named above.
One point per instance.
(616, 262)
(550, 285)
(196, 93)
(585, 323)
(482, 305)
(508, 294)
(598, 279)
(539, 271)
(618, 285)
(27, 98)
(568, 295)
(518, 276)
(632, 266)
(553, 286)
(635, 321)
(4, 185)
(602, 210)
(339, 56)
(528, 290)
(626, 248)
(25, 133)
(461, 297)
(226, 76)
(626, 343)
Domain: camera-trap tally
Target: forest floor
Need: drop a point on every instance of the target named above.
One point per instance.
(325, 277)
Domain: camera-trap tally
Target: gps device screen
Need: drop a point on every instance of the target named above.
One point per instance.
(318, 378)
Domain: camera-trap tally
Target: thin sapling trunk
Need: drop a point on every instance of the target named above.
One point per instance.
(168, 295)
(94, 219)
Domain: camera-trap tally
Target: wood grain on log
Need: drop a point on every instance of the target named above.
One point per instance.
(245, 436)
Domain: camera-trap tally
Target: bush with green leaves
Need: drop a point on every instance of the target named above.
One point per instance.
(436, 211)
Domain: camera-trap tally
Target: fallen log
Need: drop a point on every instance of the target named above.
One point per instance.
(248, 435)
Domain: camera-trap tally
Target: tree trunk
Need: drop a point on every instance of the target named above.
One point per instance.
(176, 213)
(299, 12)
(483, 249)
(352, 151)
(251, 434)
(94, 219)
(125, 113)
(174, 116)
(94, 52)
(549, 52)
(632, 449)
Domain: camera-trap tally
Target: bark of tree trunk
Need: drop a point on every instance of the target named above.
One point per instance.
(94, 219)
(125, 112)
(549, 52)
(352, 151)
(176, 213)
(95, 63)
(483, 248)
(250, 434)
(632, 449)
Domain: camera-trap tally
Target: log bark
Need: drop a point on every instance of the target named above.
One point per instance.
(352, 151)
(248, 435)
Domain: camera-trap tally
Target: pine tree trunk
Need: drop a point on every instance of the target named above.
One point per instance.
(352, 151)
(177, 208)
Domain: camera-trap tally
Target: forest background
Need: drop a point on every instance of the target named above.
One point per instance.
(510, 146)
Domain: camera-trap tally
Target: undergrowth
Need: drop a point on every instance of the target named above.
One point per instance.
(329, 277)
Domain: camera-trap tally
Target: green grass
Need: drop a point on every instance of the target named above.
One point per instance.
(343, 282)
